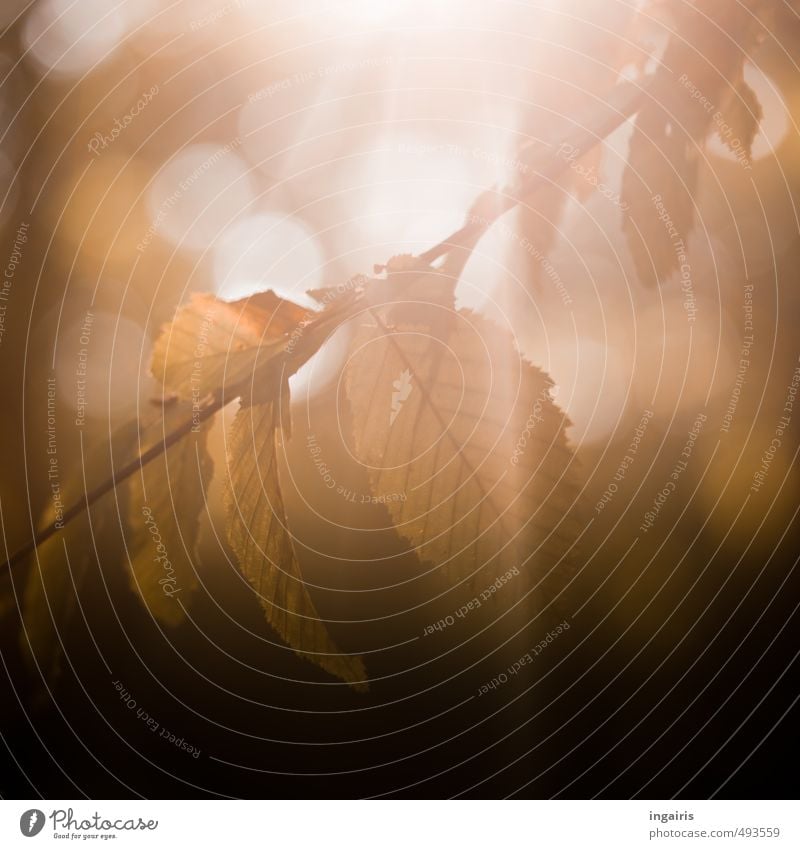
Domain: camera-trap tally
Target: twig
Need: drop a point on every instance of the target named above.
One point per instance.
(116, 478)
(630, 97)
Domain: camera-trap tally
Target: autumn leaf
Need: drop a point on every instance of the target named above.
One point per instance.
(448, 413)
(214, 346)
(250, 348)
(259, 535)
(161, 495)
(247, 347)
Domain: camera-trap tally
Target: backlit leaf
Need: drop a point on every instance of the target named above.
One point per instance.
(260, 537)
(448, 413)
(214, 346)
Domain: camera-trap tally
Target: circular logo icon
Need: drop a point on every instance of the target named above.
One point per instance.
(31, 822)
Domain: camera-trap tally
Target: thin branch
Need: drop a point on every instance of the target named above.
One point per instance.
(116, 478)
(295, 359)
(624, 102)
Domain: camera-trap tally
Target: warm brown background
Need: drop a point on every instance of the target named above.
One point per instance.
(385, 131)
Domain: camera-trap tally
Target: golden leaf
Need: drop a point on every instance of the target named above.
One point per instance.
(447, 413)
(260, 537)
(216, 346)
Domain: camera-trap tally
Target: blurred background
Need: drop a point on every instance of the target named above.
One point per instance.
(153, 149)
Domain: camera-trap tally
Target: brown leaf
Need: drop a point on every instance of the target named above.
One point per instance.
(260, 537)
(447, 413)
(215, 346)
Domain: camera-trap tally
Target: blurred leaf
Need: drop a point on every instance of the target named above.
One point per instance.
(259, 535)
(584, 36)
(742, 113)
(174, 484)
(53, 591)
(707, 49)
